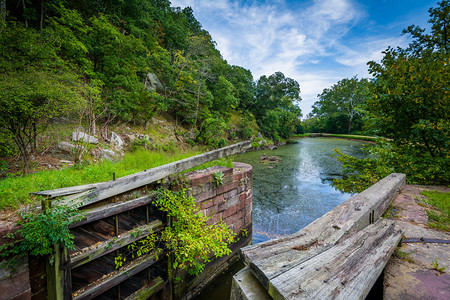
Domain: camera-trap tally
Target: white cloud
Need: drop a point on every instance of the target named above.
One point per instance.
(303, 39)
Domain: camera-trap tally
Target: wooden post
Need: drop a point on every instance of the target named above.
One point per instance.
(59, 280)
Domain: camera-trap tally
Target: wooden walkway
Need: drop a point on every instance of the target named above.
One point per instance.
(338, 256)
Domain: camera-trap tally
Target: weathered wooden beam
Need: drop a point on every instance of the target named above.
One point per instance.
(246, 287)
(269, 259)
(147, 290)
(347, 271)
(90, 253)
(110, 280)
(58, 274)
(68, 190)
(112, 209)
(130, 182)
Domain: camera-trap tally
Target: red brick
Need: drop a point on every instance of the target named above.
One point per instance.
(200, 178)
(248, 200)
(249, 207)
(238, 225)
(230, 194)
(248, 219)
(240, 213)
(230, 211)
(218, 199)
(222, 206)
(207, 203)
(206, 195)
(241, 205)
(242, 197)
(238, 175)
(231, 219)
(227, 187)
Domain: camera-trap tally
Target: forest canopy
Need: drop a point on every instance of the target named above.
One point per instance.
(127, 61)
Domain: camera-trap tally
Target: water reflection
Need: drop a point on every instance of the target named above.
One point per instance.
(290, 194)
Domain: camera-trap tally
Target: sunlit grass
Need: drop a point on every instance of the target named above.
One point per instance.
(439, 219)
(15, 191)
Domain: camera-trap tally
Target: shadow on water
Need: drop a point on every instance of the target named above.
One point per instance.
(292, 193)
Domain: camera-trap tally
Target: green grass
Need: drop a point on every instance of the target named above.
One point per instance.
(15, 191)
(439, 219)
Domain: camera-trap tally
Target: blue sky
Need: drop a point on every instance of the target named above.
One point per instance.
(316, 42)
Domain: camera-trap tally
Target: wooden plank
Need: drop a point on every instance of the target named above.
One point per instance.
(347, 271)
(272, 258)
(112, 209)
(68, 190)
(148, 290)
(133, 181)
(246, 287)
(110, 280)
(90, 253)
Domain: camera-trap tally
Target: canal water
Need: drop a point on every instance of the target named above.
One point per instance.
(291, 193)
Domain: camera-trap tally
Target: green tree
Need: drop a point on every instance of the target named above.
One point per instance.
(341, 103)
(275, 101)
(409, 103)
(30, 99)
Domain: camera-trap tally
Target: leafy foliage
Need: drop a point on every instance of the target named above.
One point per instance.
(409, 103)
(338, 108)
(39, 232)
(189, 239)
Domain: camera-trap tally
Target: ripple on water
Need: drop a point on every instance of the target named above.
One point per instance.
(291, 194)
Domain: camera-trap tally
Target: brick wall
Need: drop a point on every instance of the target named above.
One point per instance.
(230, 201)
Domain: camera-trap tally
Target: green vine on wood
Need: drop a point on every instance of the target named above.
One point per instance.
(39, 232)
(189, 240)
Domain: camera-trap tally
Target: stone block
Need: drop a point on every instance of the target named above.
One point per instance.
(230, 211)
(227, 187)
(232, 201)
(218, 199)
(200, 178)
(205, 196)
(206, 204)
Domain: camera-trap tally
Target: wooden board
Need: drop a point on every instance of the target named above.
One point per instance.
(103, 248)
(347, 270)
(113, 279)
(269, 259)
(112, 209)
(148, 290)
(133, 181)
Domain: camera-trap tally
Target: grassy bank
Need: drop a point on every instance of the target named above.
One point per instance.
(439, 217)
(15, 191)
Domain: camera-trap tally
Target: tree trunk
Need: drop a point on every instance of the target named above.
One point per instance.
(350, 124)
(42, 15)
(24, 9)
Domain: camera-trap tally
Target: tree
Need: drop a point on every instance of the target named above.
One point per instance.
(409, 103)
(29, 100)
(275, 101)
(340, 103)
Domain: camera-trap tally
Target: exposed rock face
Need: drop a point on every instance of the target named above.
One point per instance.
(153, 83)
(117, 141)
(104, 154)
(79, 136)
(64, 151)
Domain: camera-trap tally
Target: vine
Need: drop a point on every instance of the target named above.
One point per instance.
(189, 240)
(40, 231)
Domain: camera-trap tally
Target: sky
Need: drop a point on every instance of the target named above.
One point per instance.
(316, 42)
